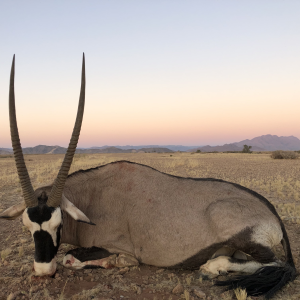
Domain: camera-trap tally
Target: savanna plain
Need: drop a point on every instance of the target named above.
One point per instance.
(277, 180)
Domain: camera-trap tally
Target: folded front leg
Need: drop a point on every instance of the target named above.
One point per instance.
(94, 257)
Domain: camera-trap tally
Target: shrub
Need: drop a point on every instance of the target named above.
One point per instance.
(198, 151)
(279, 154)
(232, 152)
(247, 149)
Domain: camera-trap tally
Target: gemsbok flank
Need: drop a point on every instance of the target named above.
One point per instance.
(157, 218)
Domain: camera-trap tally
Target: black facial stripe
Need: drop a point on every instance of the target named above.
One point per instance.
(58, 236)
(40, 214)
(45, 250)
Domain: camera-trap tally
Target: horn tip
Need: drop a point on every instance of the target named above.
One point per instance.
(83, 63)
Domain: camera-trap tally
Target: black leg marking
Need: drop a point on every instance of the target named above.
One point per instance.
(86, 254)
(239, 241)
(237, 261)
(92, 267)
(261, 253)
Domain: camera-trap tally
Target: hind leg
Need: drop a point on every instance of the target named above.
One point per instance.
(224, 264)
(262, 255)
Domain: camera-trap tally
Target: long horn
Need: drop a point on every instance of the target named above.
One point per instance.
(58, 186)
(26, 185)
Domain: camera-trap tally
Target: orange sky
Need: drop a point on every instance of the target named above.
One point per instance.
(157, 73)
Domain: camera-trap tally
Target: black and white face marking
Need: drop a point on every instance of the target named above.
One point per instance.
(45, 225)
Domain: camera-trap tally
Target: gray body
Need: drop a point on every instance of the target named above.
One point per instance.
(160, 219)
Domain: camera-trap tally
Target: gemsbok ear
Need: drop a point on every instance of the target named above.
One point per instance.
(14, 211)
(73, 211)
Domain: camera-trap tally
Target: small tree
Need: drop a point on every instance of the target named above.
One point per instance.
(247, 149)
(198, 151)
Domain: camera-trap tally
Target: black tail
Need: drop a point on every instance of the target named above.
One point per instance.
(267, 280)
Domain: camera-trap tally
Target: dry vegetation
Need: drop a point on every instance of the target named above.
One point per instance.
(277, 180)
(279, 154)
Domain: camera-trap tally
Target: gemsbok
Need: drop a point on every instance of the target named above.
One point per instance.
(156, 218)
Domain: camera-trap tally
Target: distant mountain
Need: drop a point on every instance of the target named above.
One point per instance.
(103, 147)
(266, 142)
(224, 148)
(8, 150)
(103, 150)
(157, 149)
(4, 152)
(42, 149)
(170, 147)
(272, 142)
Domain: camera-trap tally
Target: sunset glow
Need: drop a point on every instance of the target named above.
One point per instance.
(160, 73)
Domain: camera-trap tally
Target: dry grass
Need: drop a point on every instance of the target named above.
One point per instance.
(186, 295)
(62, 295)
(226, 295)
(278, 180)
(188, 280)
(5, 253)
(240, 294)
(21, 251)
(86, 294)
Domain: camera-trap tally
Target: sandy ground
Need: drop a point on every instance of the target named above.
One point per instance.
(143, 282)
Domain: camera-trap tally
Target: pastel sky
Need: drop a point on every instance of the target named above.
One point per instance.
(158, 72)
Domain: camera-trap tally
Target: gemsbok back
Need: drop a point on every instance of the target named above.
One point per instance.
(156, 218)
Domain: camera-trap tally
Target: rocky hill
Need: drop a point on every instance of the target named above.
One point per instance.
(43, 149)
(159, 150)
(272, 142)
(224, 148)
(139, 148)
(104, 150)
(6, 149)
(5, 152)
(266, 142)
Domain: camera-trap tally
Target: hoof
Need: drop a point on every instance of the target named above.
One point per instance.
(224, 273)
(124, 260)
(215, 267)
(207, 275)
